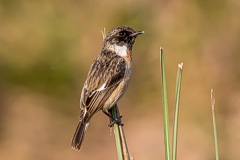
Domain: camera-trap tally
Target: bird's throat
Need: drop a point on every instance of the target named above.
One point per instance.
(120, 50)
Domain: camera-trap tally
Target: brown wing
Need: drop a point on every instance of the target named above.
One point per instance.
(103, 78)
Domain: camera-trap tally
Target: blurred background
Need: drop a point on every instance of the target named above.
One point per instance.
(47, 47)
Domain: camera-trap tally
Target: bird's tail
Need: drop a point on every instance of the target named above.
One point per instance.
(79, 135)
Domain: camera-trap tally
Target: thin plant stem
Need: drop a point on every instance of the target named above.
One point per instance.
(121, 142)
(214, 124)
(175, 125)
(165, 109)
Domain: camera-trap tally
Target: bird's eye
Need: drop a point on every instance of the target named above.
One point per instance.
(122, 34)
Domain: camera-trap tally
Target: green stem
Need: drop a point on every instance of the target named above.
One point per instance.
(121, 142)
(214, 124)
(117, 135)
(165, 109)
(175, 126)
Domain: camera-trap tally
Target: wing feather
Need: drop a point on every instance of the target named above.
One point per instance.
(103, 78)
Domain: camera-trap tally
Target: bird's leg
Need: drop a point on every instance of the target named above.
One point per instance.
(112, 120)
(118, 114)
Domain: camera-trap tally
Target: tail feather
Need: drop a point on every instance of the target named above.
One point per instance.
(79, 135)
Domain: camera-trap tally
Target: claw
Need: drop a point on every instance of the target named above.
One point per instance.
(117, 121)
(113, 121)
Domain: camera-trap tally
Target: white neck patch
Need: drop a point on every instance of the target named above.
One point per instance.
(120, 50)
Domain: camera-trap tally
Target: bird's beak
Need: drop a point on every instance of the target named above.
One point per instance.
(137, 33)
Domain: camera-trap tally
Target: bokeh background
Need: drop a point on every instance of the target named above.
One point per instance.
(47, 47)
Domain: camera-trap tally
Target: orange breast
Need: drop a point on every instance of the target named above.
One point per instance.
(128, 58)
(128, 53)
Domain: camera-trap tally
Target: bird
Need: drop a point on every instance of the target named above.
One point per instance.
(107, 79)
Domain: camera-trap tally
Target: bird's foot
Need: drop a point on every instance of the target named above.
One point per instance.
(113, 121)
(116, 121)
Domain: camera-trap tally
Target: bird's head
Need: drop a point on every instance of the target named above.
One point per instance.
(121, 36)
